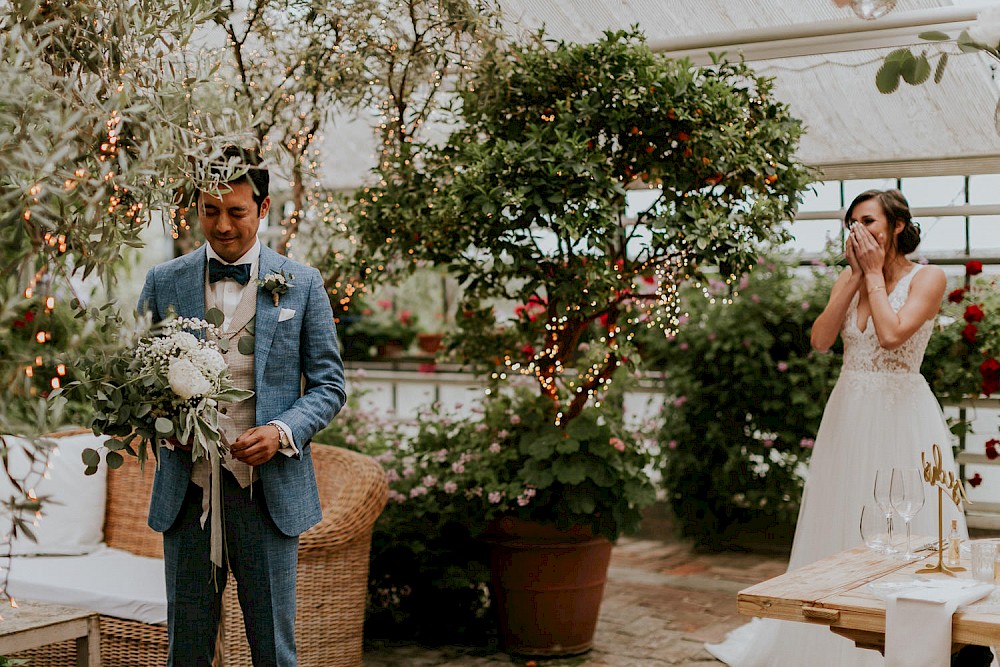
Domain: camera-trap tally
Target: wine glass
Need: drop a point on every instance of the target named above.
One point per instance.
(906, 493)
(883, 479)
(873, 528)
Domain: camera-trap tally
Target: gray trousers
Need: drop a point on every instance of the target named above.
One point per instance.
(263, 562)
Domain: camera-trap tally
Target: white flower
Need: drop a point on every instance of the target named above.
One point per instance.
(186, 380)
(986, 30)
(208, 360)
(184, 341)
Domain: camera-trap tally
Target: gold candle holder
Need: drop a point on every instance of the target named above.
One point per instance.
(935, 475)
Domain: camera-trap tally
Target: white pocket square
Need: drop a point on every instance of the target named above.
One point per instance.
(285, 314)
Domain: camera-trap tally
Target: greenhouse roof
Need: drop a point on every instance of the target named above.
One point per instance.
(824, 61)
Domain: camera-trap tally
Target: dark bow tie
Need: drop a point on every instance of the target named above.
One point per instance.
(218, 271)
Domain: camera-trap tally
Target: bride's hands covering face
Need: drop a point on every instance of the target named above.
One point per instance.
(867, 250)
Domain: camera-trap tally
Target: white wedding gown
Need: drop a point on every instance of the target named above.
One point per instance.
(881, 414)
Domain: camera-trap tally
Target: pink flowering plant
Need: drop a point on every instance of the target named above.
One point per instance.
(744, 397)
(450, 476)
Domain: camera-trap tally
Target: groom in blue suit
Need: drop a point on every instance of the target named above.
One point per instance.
(269, 493)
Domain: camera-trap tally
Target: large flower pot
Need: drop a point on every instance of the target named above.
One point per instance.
(548, 586)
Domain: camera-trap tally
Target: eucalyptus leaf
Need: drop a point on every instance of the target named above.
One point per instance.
(115, 460)
(934, 36)
(939, 70)
(916, 70)
(91, 457)
(887, 78)
(245, 345)
(215, 317)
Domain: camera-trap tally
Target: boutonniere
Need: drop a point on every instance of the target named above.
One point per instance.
(277, 284)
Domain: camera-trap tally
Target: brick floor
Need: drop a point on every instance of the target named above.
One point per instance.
(662, 602)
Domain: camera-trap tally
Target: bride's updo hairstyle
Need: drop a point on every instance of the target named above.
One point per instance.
(896, 209)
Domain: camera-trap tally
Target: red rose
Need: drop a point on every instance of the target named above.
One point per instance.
(969, 333)
(683, 136)
(990, 370)
(29, 316)
(973, 268)
(991, 448)
(956, 296)
(975, 480)
(528, 351)
(974, 313)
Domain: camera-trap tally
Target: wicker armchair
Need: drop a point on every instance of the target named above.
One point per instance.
(332, 571)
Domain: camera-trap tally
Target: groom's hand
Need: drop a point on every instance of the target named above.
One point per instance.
(257, 445)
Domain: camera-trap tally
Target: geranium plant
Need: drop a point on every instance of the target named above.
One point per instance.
(383, 325)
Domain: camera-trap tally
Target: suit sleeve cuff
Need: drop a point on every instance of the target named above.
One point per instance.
(287, 447)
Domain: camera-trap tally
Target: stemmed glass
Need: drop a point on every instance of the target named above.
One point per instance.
(906, 493)
(883, 479)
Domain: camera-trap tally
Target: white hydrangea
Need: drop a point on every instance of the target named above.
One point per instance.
(986, 29)
(186, 380)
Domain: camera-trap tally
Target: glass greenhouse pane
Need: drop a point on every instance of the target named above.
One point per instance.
(812, 236)
(934, 190)
(823, 196)
(984, 189)
(942, 234)
(853, 188)
(984, 233)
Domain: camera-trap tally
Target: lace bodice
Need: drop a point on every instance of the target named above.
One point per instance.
(862, 351)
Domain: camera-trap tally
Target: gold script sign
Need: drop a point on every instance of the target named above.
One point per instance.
(936, 475)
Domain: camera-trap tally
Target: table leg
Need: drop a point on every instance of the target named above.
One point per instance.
(88, 648)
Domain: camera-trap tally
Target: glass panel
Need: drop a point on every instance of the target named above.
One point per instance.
(853, 188)
(942, 234)
(812, 236)
(984, 233)
(984, 189)
(822, 197)
(934, 190)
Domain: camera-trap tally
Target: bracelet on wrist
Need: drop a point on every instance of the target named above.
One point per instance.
(876, 288)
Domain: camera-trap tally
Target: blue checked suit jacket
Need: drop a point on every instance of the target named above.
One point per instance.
(298, 379)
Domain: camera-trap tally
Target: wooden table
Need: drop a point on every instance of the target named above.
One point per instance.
(833, 592)
(35, 624)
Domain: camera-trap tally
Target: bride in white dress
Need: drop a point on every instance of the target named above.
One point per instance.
(881, 414)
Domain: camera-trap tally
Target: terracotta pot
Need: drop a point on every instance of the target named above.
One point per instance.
(548, 586)
(429, 343)
(390, 350)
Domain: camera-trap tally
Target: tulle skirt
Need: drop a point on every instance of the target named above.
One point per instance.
(872, 420)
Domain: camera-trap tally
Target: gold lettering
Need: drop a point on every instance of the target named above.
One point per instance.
(935, 474)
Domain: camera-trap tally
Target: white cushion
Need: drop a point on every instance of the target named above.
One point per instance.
(72, 520)
(109, 581)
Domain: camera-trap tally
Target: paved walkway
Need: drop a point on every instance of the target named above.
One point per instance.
(661, 604)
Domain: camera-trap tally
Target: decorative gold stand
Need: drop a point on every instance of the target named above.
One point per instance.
(934, 474)
(941, 567)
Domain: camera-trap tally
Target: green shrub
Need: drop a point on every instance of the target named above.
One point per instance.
(745, 394)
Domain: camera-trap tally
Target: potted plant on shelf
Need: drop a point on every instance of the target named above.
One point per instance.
(528, 202)
(391, 333)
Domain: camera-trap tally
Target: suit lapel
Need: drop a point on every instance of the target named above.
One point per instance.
(267, 314)
(189, 288)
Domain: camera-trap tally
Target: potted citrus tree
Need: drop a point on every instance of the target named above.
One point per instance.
(527, 203)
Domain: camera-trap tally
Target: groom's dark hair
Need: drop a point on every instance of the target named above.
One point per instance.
(240, 165)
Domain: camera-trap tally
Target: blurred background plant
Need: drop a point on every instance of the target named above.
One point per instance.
(744, 397)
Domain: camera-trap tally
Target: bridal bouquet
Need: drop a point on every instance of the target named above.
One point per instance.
(168, 384)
